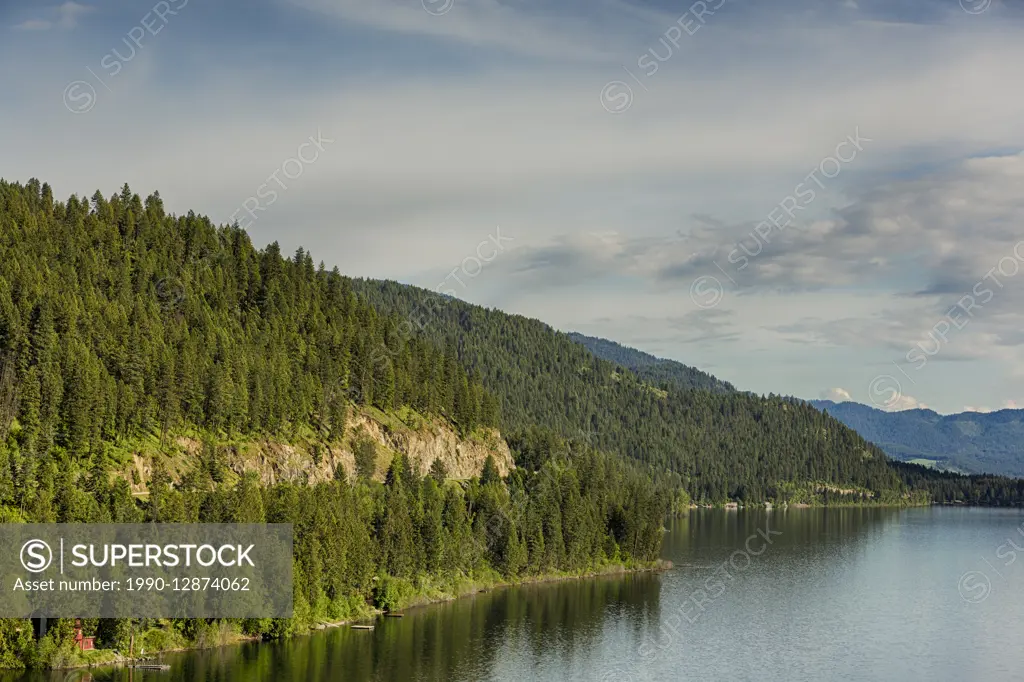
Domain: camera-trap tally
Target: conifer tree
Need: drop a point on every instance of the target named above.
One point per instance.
(490, 472)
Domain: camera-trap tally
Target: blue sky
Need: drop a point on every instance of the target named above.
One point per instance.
(795, 196)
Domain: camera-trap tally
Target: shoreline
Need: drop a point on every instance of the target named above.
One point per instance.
(767, 506)
(658, 566)
(418, 602)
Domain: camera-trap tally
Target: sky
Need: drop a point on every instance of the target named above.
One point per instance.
(819, 199)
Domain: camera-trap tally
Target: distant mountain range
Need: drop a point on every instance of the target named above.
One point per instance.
(972, 442)
(653, 370)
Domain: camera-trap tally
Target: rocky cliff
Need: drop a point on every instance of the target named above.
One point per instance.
(422, 441)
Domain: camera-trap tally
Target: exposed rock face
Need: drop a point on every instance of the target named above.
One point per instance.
(316, 462)
(462, 458)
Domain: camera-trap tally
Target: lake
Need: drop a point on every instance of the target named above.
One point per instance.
(803, 594)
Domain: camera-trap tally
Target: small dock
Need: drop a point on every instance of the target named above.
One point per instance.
(150, 666)
(362, 627)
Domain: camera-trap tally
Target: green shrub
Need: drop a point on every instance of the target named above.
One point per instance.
(390, 594)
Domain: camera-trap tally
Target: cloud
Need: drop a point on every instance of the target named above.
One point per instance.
(945, 245)
(1007, 405)
(63, 16)
(34, 25)
(515, 27)
(904, 402)
(838, 395)
(936, 235)
(710, 325)
(929, 226)
(69, 13)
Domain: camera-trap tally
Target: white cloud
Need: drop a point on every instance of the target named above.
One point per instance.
(34, 25)
(904, 402)
(64, 16)
(69, 13)
(490, 23)
(838, 395)
(1007, 405)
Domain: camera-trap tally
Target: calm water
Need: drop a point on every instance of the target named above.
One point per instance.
(856, 594)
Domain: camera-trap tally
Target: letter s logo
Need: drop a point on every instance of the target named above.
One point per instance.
(36, 556)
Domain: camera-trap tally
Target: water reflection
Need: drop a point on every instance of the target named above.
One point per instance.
(468, 639)
(705, 530)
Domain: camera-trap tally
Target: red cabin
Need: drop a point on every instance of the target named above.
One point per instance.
(84, 643)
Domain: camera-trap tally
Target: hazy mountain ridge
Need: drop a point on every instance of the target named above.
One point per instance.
(938, 430)
(975, 442)
(650, 368)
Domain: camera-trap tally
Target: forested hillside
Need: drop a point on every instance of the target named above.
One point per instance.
(116, 319)
(948, 488)
(124, 330)
(654, 370)
(723, 445)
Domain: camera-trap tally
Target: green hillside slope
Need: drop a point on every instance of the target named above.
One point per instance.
(723, 445)
(654, 370)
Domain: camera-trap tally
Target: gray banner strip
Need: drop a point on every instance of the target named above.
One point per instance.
(149, 570)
